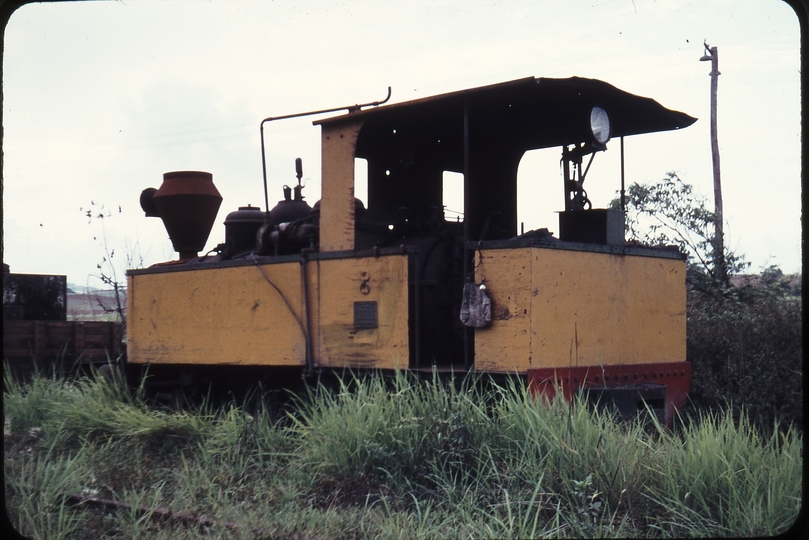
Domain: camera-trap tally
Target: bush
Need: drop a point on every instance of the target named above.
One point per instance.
(746, 351)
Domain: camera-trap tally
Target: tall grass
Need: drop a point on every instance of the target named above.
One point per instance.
(722, 478)
(27, 406)
(594, 465)
(393, 430)
(96, 406)
(385, 458)
(35, 488)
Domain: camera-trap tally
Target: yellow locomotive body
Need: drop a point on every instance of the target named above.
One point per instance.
(394, 284)
(235, 315)
(625, 310)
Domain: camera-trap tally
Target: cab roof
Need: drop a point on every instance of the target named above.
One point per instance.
(529, 113)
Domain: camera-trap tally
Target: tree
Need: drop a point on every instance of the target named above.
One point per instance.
(671, 213)
(108, 272)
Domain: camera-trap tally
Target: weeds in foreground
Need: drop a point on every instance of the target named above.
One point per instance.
(383, 458)
(714, 485)
(35, 485)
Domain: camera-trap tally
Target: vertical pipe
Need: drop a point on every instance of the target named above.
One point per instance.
(467, 192)
(468, 334)
(310, 364)
(414, 258)
(566, 178)
(623, 186)
(264, 169)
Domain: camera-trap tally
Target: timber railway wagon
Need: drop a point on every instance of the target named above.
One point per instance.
(394, 282)
(38, 338)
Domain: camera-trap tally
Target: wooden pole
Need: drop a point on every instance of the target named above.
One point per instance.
(720, 268)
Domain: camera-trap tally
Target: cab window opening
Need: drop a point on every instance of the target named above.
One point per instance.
(453, 196)
(361, 180)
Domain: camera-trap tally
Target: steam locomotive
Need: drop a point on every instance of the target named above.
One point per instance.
(396, 283)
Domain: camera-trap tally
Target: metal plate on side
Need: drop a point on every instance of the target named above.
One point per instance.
(365, 315)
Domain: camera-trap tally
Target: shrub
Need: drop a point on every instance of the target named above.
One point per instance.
(746, 351)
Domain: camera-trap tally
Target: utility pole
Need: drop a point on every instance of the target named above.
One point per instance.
(720, 267)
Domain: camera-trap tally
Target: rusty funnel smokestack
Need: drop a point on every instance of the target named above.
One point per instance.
(187, 202)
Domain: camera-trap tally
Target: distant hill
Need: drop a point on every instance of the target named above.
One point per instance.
(85, 304)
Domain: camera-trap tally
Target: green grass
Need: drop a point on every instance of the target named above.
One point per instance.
(383, 458)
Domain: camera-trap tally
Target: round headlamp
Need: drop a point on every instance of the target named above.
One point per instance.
(600, 125)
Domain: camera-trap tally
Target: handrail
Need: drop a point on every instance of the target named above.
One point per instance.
(349, 108)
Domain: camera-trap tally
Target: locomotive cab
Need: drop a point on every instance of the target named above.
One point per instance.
(398, 283)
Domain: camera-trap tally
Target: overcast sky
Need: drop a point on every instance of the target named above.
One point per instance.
(102, 98)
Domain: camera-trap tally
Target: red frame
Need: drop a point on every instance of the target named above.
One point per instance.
(675, 376)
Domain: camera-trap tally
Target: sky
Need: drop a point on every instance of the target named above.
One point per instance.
(101, 98)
